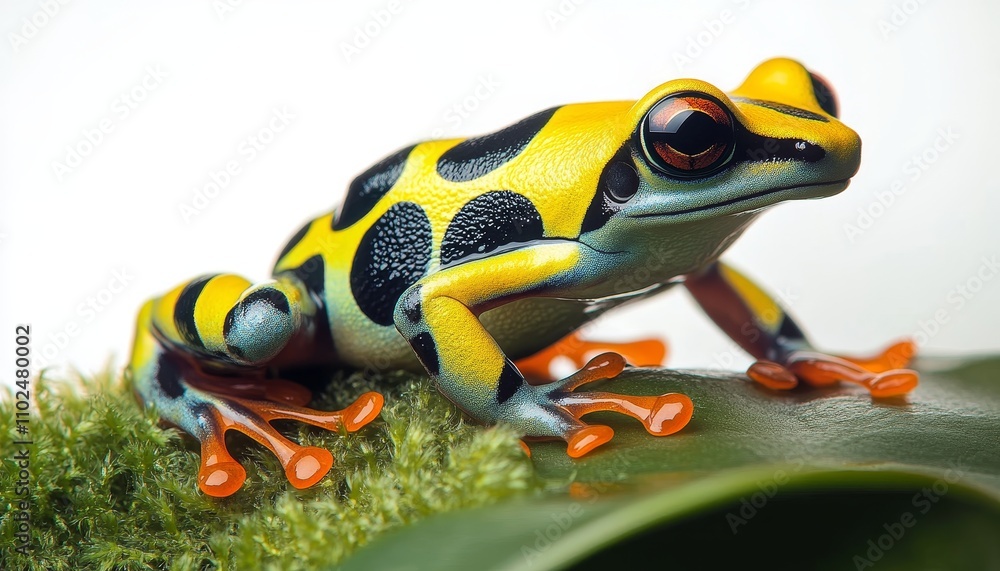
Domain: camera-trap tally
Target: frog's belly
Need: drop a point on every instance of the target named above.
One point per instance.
(521, 328)
(527, 326)
(524, 327)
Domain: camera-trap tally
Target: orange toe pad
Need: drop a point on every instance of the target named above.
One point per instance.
(588, 438)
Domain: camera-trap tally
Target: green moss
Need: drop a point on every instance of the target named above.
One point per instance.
(110, 489)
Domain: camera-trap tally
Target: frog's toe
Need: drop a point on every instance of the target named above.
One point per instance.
(896, 356)
(641, 352)
(220, 475)
(772, 375)
(668, 413)
(819, 369)
(893, 383)
(362, 411)
(587, 438)
(661, 415)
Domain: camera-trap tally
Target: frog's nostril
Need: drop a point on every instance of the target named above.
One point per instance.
(824, 94)
(809, 152)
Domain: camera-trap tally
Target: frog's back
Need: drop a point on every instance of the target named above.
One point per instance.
(438, 203)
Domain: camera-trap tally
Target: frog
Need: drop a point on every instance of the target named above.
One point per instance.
(478, 261)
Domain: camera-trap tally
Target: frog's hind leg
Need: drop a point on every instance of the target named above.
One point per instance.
(641, 353)
(764, 329)
(180, 394)
(237, 328)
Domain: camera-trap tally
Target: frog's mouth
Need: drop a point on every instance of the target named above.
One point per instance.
(757, 200)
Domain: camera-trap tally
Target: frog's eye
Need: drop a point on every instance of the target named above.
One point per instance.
(687, 135)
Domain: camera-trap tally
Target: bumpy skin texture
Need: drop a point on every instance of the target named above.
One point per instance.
(462, 256)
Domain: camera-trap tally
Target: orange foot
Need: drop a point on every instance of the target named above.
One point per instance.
(882, 374)
(219, 410)
(660, 415)
(642, 353)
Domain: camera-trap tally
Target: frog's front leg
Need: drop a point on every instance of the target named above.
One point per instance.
(756, 322)
(439, 318)
(199, 356)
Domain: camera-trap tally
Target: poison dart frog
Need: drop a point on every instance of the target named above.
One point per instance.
(477, 259)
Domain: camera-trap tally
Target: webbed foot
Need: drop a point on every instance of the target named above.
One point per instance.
(207, 406)
(883, 374)
(660, 415)
(221, 475)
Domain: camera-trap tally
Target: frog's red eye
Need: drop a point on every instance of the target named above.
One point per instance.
(687, 135)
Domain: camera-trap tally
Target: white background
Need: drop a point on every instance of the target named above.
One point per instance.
(904, 72)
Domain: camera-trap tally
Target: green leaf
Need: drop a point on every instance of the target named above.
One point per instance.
(825, 479)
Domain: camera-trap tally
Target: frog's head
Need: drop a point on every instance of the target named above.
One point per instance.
(698, 155)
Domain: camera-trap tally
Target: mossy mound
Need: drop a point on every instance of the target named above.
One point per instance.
(112, 490)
